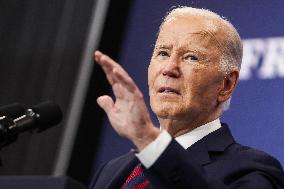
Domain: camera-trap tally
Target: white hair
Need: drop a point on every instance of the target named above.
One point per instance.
(232, 49)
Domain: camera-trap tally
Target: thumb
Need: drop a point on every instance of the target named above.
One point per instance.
(106, 103)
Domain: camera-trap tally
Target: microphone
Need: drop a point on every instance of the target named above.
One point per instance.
(40, 117)
(12, 110)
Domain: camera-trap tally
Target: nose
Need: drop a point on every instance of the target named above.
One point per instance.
(171, 69)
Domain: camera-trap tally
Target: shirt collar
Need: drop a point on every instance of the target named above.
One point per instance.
(188, 139)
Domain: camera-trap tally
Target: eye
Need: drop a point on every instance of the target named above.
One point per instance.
(163, 54)
(190, 57)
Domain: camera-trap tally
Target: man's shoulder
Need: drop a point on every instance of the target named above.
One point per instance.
(246, 153)
(233, 158)
(249, 154)
(111, 169)
(239, 160)
(120, 161)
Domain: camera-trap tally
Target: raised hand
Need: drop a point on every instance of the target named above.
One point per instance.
(128, 114)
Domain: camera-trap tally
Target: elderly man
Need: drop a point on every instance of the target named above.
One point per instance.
(193, 72)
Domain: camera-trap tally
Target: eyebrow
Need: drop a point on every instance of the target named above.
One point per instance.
(160, 46)
(186, 48)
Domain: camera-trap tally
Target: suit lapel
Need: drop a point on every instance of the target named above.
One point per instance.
(199, 153)
(121, 174)
(216, 141)
(219, 140)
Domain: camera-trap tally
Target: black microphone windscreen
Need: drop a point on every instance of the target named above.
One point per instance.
(50, 114)
(13, 111)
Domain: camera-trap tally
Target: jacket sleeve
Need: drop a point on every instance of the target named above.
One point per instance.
(96, 176)
(175, 170)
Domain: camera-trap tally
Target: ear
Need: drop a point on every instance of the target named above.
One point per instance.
(228, 86)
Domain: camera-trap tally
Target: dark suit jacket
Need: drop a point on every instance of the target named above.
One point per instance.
(214, 162)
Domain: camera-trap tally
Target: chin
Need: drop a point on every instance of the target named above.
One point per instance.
(167, 110)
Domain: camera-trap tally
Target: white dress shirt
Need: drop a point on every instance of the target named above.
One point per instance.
(152, 152)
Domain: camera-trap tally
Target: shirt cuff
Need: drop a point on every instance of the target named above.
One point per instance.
(152, 151)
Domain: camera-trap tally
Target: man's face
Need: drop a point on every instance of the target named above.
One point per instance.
(184, 76)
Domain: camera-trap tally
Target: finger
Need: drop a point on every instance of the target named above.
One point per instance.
(119, 91)
(125, 80)
(107, 65)
(106, 103)
(105, 61)
(114, 72)
(106, 68)
(97, 55)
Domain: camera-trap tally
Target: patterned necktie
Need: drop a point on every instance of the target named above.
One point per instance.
(136, 179)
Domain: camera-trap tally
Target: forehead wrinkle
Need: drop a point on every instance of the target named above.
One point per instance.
(210, 28)
(208, 33)
(202, 33)
(188, 37)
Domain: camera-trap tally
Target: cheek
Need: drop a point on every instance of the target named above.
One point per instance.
(153, 72)
(200, 86)
(150, 76)
(192, 83)
(205, 91)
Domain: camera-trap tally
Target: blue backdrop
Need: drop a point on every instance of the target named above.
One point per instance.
(256, 113)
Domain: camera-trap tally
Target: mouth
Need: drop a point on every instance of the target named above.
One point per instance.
(168, 90)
